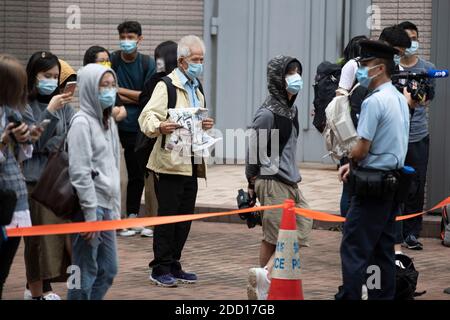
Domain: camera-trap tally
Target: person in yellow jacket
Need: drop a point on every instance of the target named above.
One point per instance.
(176, 175)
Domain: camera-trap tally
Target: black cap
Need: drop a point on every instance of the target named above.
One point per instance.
(371, 49)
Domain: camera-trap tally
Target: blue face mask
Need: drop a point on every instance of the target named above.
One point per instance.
(362, 75)
(397, 59)
(294, 83)
(194, 70)
(128, 46)
(413, 49)
(107, 97)
(47, 86)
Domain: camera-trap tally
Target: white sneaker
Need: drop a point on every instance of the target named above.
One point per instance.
(127, 233)
(147, 233)
(27, 295)
(365, 293)
(51, 296)
(137, 229)
(259, 284)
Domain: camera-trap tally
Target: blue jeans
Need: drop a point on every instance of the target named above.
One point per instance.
(97, 260)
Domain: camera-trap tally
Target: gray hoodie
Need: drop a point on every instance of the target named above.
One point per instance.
(94, 153)
(277, 112)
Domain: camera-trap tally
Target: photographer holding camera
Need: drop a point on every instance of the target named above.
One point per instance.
(383, 128)
(419, 139)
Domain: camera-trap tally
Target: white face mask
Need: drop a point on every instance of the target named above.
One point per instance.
(160, 65)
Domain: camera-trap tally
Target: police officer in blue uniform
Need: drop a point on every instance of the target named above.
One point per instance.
(376, 160)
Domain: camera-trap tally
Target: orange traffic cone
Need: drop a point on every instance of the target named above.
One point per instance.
(286, 283)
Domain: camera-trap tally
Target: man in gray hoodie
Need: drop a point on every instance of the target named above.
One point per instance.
(273, 174)
(94, 160)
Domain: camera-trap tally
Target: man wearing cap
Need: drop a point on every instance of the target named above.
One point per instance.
(369, 231)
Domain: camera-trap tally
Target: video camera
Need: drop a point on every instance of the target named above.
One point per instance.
(418, 84)
(244, 201)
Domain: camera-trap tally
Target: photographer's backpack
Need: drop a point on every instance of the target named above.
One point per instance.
(325, 85)
(406, 278)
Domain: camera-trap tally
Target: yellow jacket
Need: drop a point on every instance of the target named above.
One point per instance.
(155, 112)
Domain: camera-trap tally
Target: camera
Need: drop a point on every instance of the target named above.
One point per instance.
(244, 201)
(418, 84)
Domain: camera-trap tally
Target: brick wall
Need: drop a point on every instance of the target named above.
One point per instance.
(161, 20)
(27, 26)
(417, 11)
(24, 27)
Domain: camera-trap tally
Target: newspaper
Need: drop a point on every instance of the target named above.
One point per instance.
(190, 135)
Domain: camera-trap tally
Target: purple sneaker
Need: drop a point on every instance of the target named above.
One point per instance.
(185, 277)
(165, 280)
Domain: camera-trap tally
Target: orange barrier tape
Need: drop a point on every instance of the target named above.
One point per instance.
(80, 227)
(322, 216)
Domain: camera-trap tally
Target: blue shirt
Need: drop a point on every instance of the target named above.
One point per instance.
(131, 76)
(191, 88)
(384, 121)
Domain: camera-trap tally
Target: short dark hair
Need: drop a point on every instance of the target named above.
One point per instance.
(130, 27)
(167, 51)
(353, 48)
(396, 37)
(389, 64)
(91, 54)
(40, 61)
(295, 64)
(408, 25)
(13, 83)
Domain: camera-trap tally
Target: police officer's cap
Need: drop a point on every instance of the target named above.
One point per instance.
(371, 49)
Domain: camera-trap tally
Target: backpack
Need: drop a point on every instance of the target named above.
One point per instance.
(406, 278)
(325, 85)
(339, 132)
(445, 228)
(144, 145)
(145, 61)
(285, 127)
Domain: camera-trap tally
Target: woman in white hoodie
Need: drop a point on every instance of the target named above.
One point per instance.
(94, 159)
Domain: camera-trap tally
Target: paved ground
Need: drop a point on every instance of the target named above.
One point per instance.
(221, 255)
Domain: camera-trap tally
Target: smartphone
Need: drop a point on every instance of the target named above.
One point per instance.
(13, 118)
(70, 87)
(44, 123)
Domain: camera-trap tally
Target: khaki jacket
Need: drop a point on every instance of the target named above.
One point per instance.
(155, 112)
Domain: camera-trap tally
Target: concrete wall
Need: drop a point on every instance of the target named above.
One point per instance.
(242, 36)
